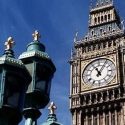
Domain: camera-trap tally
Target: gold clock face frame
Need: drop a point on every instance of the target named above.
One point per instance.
(99, 72)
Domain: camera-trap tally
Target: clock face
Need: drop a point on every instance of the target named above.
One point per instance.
(99, 72)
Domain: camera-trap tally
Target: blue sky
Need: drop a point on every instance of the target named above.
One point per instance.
(57, 21)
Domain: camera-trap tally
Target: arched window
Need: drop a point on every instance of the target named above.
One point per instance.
(98, 19)
(101, 31)
(107, 119)
(119, 118)
(89, 120)
(95, 20)
(101, 18)
(105, 17)
(92, 33)
(109, 17)
(109, 28)
(101, 119)
(95, 120)
(113, 119)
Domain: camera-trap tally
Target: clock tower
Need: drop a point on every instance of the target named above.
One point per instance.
(97, 76)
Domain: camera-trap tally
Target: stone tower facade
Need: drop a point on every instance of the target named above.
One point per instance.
(97, 76)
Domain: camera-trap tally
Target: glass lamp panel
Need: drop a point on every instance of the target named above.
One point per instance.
(1, 79)
(14, 99)
(41, 85)
(13, 91)
(48, 87)
(2, 74)
(30, 69)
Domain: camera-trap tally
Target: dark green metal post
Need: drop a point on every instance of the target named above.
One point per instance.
(41, 69)
(14, 80)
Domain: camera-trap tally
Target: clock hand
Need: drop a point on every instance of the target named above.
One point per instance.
(98, 72)
(103, 66)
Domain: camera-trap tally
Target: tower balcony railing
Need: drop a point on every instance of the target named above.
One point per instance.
(106, 35)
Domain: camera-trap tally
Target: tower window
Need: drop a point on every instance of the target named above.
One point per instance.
(95, 20)
(101, 119)
(84, 121)
(86, 37)
(89, 120)
(113, 119)
(95, 120)
(92, 33)
(98, 19)
(105, 17)
(119, 118)
(88, 99)
(101, 31)
(107, 119)
(101, 18)
(109, 17)
(93, 98)
(109, 44)
(109, 28)
(104, 45)
(104, 96)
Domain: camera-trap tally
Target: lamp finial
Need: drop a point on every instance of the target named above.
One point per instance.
(9, 43)
(52, 108)
(36, 35)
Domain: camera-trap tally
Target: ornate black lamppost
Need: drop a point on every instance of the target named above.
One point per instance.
(41, 69)
(14, 80)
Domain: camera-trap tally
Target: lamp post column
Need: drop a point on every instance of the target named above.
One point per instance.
(31, 115)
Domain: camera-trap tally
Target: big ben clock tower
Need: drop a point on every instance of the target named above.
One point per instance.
(97, 76)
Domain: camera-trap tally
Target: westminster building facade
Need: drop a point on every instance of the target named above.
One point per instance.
(97, 64)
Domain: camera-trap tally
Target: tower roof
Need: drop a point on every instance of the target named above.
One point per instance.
(103, 2)
(95, 4)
